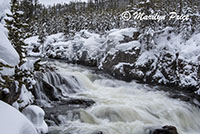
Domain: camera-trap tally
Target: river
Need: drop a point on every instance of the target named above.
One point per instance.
(121, 107)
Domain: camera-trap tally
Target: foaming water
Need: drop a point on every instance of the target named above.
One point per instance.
(124, 108)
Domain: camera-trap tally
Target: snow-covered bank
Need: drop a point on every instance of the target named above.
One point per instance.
(172, 60)
(13, 122)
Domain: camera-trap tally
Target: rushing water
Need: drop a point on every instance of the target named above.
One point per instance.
(123, 108)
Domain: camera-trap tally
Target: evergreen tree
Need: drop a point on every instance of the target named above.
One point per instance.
(146, 27)
(28, 9)
(14, 25)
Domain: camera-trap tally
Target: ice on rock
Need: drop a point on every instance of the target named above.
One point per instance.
(13, 122)
(36, 115)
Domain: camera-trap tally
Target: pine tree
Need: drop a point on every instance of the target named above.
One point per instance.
(27, 7)
(14, 25)
(146, 27)
(16, 36)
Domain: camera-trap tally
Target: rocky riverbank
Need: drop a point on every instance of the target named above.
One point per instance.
(171, 61)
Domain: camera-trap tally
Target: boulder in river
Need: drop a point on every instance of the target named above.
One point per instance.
(36, 115)
(165, 130)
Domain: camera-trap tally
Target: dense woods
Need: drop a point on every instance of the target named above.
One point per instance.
(102, 15)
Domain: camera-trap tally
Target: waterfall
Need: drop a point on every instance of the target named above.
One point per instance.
(51, 86)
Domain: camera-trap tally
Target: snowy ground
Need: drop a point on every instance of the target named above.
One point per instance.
(52, 2)
(13, 122)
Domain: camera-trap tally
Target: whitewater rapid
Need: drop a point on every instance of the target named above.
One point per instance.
(124, 108)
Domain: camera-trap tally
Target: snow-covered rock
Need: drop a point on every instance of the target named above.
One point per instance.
(36, 115)
(13, 122)
(119, 34)
(85, 47)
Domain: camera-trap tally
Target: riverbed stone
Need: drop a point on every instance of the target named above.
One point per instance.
(165, 130)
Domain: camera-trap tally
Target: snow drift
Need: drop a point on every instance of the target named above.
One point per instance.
(13, 122)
